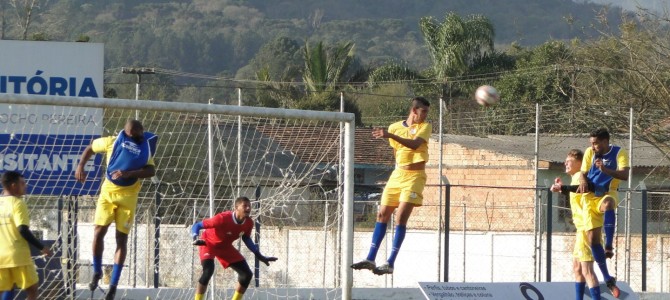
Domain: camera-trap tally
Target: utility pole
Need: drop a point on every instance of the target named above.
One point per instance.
(139, 72)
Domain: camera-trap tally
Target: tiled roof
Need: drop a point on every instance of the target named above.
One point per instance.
(553, 148)
(367, 150)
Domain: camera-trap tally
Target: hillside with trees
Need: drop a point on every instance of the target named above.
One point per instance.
(586, 64)
(221, 37)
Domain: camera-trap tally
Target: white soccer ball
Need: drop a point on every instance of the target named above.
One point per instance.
(487, 95)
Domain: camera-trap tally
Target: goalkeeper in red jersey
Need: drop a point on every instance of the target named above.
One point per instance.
(217, 240)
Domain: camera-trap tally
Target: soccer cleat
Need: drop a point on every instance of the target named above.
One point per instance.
(383, 269)
(94, 282)
(111, 292)
(611, 284)
(609, 252)
(364, 264)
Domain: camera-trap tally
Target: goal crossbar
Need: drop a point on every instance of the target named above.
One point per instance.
(245, 111)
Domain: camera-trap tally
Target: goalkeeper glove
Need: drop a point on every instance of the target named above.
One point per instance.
(266, 260)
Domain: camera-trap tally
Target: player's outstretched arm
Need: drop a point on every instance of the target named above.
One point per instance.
(254, 248)
(80, 174)
(195, 232)
(31, 239)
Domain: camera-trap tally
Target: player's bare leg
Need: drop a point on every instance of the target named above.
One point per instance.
(31, 292)
(119, 260)
(580, 281)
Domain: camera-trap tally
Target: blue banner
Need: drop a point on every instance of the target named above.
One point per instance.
(49, 162)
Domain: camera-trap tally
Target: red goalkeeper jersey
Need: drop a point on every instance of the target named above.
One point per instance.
(222, 229)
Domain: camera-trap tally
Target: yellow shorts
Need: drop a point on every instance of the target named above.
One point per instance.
(582, 251)
(592, 216)
(404, 186)
(23, 276)
(117, 207)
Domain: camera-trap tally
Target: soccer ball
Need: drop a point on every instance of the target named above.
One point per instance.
(487, 95)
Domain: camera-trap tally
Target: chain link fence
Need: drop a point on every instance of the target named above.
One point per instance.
(484, 216)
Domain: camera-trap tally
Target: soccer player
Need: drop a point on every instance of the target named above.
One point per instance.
(129, 157)
(604, 166)
(217, 240)
(16, 265)
(404, 189)
(582, 262)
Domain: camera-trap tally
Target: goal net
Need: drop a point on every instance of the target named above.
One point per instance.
(294, 165)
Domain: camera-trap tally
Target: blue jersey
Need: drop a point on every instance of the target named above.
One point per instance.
(615, 159)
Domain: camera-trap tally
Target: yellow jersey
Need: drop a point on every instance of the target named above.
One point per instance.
(576, 203)
(106, 145)
(14, 249)
(405, 155)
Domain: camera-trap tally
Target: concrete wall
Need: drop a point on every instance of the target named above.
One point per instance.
(310, 259)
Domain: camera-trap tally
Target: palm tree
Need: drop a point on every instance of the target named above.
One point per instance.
(325, 68)
(457, 42)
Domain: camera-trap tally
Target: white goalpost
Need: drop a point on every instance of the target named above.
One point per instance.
(285, 160)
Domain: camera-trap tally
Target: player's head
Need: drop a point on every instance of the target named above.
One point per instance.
(419, 109)
(13, 183)
(242, 207)
(573, 161)
(134, 130)
(600, 141)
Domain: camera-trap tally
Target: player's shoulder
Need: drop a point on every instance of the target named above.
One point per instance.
(224, 214)
(396, 125)
(104, 141)
(619, 149)
(110, 138)
(14, 200)
(425, 124)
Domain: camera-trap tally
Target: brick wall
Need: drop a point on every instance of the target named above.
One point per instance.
(495, 190)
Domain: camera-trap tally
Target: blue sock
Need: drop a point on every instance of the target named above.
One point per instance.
(580, 287)
(610, 224)
(599, 255)
(8, 295)
(377, 238)
(397, 242)
(116, 274)
(97, 265)
(595, 292)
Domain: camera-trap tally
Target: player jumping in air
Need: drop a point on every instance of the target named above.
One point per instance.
(129, 158)
(604, 166)
(404, 189)
(217, 240)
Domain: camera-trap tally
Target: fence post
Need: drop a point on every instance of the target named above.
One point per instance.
(644, 238)
(257, 236)
(549, 232)
(157, 239)
(447, 210)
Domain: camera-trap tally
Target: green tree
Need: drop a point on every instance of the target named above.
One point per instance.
(623, 70)
(456, 43)
(325, 67)
(538, 79)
